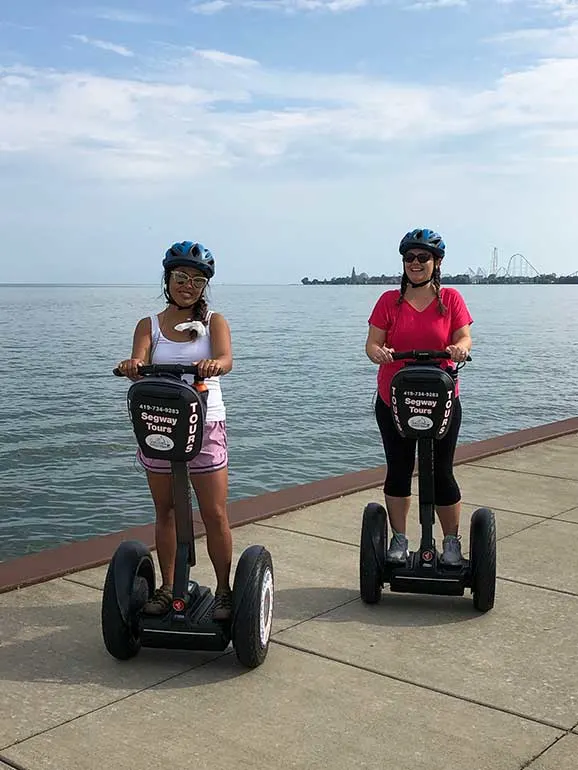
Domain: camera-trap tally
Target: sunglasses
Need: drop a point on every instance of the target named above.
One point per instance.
(181, 279)
(421, 258)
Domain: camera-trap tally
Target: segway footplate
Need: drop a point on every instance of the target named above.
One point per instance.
(188, 628)
(427, 576)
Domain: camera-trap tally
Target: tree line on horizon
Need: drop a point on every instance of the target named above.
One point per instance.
(361, 279)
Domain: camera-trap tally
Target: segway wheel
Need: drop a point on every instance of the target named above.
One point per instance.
(372, 552)
(483, 558)
(253, 597)
(129, 583)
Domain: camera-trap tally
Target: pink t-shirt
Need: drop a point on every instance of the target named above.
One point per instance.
(411, 329)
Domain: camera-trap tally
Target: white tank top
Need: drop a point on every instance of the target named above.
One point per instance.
(164, 351)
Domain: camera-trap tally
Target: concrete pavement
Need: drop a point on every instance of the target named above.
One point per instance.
(416, 681)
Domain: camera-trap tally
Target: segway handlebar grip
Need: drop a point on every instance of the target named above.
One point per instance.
(162, 369)
(422, 355)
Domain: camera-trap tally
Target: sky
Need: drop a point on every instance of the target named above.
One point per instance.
(292, 137)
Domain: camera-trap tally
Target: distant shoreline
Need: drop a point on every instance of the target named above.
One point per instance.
(389, 281)
(452, 280)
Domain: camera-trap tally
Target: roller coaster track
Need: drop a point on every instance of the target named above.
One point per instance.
(520, 267)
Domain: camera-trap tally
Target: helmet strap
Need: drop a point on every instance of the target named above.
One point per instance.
(422, 283)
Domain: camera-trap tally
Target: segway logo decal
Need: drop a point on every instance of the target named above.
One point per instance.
(419, 422)
(159, 423)
(395, 409)
(447, 410)
(427, 555)
(193, 422)
(160, 442)
(158, 408)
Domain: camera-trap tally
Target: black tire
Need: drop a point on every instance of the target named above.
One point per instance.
(483, 558)
(372, 553)
(253, 600)
(121, 635)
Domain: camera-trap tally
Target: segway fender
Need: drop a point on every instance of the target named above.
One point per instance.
(130, 558)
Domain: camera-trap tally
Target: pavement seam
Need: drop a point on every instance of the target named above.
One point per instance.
(110, 703)
(11, 763)
(309, 534)
(540, 519)
(519, 513)
(531, 761)
(354, 545)
(535, 585)
(524, 529)
(422, 686)
(80, 583)
(565, 521)
(482, 464)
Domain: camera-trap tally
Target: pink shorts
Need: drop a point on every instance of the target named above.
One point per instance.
(212, 457)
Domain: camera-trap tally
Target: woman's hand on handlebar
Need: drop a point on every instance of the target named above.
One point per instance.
(208, 367)
(129, 368)
(380, 354)
(458, 353)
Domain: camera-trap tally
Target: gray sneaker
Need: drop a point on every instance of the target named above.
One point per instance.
(398, 548)
(452, 551)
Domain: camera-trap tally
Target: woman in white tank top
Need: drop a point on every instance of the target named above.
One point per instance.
(206, 341)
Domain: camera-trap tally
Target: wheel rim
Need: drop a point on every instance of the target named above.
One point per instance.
(266, 608)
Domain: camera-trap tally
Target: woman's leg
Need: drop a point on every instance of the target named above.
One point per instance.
(211, 490)
(400, 458)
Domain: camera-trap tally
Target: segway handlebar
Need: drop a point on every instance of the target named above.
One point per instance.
(422, 355)
(162, 369)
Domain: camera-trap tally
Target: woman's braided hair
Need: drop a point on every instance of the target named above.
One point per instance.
(436, 282)
(198, 311)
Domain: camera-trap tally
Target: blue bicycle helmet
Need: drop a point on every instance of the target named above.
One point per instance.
(423, 239)
(191, 254)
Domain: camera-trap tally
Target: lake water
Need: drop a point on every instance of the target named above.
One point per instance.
(299, 398)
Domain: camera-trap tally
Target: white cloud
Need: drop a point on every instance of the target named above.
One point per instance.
(15, 25)
(560, 8)
(565, 8)
(122, 128)
(550, 42)
(225, 59)
(210, 6)
(332, 6)
(431, 4)
(120, 15)
(104, 45)
(336, 6)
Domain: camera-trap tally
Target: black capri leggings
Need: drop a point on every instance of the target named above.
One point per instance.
(400, 456)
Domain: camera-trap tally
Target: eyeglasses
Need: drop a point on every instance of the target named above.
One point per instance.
(422, 258)
(183, 278)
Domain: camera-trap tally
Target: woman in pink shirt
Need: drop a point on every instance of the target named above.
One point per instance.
(420, 315)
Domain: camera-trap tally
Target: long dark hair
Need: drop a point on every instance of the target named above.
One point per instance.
(198, 311)
(436, 282)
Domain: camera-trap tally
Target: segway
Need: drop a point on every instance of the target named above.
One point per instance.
(168, 416)
(422, 404)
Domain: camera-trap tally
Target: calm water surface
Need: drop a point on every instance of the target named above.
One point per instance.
(299, 399)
